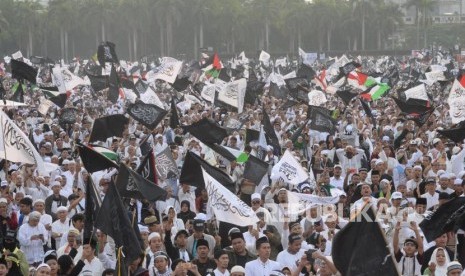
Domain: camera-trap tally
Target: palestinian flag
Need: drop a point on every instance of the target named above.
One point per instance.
(360, 80)
(213, 70)
(113, 156)
(18, 92)
(376, 92)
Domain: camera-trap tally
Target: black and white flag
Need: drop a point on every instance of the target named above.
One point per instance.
(133, 185)
(148, 115)
(165, 164)
(233, 94)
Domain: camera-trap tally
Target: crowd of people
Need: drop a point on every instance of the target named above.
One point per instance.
(403, 170)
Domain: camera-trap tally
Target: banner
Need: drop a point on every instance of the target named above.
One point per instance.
(227, 206)
(417, 92)
(208, 92)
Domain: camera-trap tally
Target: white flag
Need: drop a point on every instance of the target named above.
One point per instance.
(417, 92)
(168, 70)
(44, 106)
(208, 92)
(227, 206)
(316, 98)
(302, 202)
(265, 58)
(233, 94)
(16, 145)
(150, 97)
(71, 80)
(57, 79)
(289, 170)
(456, 102)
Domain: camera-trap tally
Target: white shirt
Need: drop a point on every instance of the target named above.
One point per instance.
(258, 268)
(60, 228)
(219, 273)
(338, 183)
(92, 268)
(431, 200)
(33, 249)
(285, 258)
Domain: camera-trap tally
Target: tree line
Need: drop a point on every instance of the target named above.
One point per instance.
(179, 28)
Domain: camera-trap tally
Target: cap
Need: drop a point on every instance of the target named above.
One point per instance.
(34, 215)
(417, 167)
(218, 253)
(430, 180)
(386, 138)
(444, 196)
(256, 196)
(233, 230)
(421, 201)
(181, 232)
(202, 242)
(65, 162)
(55, 183)
(62, 209)
(396, 195)
(436, 140)
(338, 166)
(412, 240)
(143, 228)
(454, 265)
(413, 142)
(458, 181)
(151, 220)
(154, 235)
(294, 237)
(455, 150)
(237, 269)
(3, 201)
(261, 241)
(160, 254)
(379, 162)
(4, 183)
(199, 225)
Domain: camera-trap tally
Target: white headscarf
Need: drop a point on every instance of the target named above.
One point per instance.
(440, 270)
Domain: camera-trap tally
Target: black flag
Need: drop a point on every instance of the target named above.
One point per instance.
(207, 131)
(253, 90)
(180, 84)
(174, 118)
(368, 112)
(191, 172)
(412, 106)
(113, 220)
(277, 92)
(298, 132)
(147, 167)
(67, 117)
(93, 203)
(108, 126)
(166, 167)
(133, 185)
(255, 169)
(106, 52)
(148, 115)
(322, 121)
(113, 86)
(22, 71)
(433, 225)
(60, 99)
(98, 82)
(361, 249)
(346, 96)
(251, 135)
(270, 134)
(306, 71)
(456, 134)
(94, 161)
